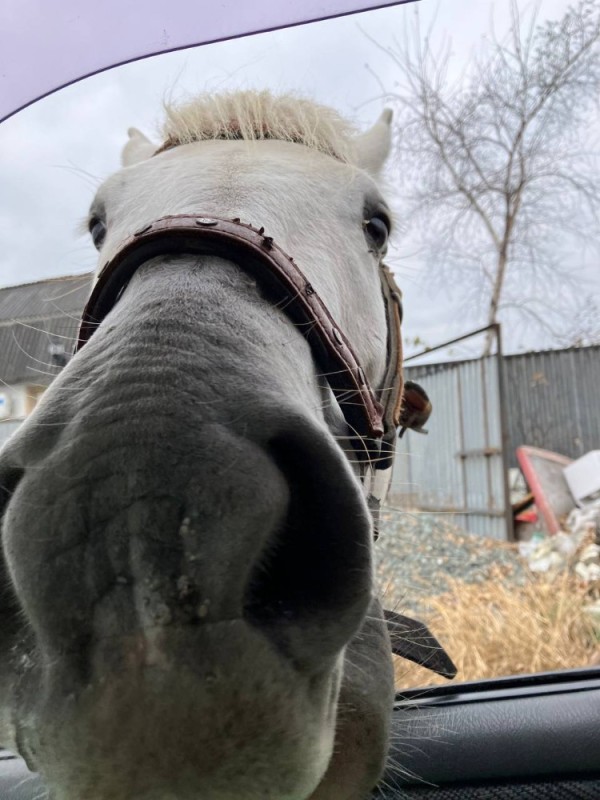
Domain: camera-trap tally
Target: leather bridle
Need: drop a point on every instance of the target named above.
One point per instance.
(374, 418)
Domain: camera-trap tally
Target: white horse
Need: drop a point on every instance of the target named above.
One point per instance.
(188, 606)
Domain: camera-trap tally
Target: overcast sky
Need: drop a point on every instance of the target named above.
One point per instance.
(54, 154)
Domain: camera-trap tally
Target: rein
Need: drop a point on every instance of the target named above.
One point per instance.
(375, 418)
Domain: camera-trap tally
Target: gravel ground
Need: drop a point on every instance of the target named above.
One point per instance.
(417, 552)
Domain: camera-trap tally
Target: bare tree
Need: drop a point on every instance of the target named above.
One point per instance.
(584, 327)
(497, 168)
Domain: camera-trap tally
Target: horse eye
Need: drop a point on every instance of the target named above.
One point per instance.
(378, 230)
(97, 229)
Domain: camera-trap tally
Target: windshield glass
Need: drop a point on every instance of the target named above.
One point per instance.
(490, 532)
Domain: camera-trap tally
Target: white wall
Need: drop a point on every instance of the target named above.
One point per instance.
(16, 402)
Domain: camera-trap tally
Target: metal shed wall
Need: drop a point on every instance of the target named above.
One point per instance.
(553, 401)
(458, 468)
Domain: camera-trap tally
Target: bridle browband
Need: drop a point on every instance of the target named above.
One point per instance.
(374, 419)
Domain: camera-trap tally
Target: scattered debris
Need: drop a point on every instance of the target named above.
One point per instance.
(575, 548)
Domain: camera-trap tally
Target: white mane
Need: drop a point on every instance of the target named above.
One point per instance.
(255, 115)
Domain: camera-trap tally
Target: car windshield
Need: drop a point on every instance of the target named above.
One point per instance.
(490, 532)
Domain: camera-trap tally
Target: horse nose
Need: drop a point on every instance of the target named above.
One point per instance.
(310, 587)
(277, 533)
(216, 527)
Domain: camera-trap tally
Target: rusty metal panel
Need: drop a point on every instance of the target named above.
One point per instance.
(457, 469)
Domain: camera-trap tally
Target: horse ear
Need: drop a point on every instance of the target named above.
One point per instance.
(373, 147)
(137, 149)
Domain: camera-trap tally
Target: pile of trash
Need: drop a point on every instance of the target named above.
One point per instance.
(561, 512)
(576, 548)
(557, 513)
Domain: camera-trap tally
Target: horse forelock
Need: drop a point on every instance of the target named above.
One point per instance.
(253, 116)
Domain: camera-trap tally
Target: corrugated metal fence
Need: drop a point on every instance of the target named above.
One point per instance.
(483, 410)
(553, 400)
(458, 469)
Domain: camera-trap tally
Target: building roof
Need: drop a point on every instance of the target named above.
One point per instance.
(38, 326)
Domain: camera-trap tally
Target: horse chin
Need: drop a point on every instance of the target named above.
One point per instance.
(181, 713)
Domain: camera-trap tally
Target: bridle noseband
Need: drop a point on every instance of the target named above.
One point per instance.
(277, 274)
(374, 418)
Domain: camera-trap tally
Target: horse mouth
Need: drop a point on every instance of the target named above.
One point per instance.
(187, 712)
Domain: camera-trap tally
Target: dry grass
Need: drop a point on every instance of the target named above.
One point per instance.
(494, 628)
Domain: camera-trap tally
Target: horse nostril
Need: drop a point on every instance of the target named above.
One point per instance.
(9, 480)
(309, 590)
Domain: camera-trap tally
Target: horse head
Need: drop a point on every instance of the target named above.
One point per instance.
(188, 605)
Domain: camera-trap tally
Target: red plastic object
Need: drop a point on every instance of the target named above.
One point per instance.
(543, 471)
